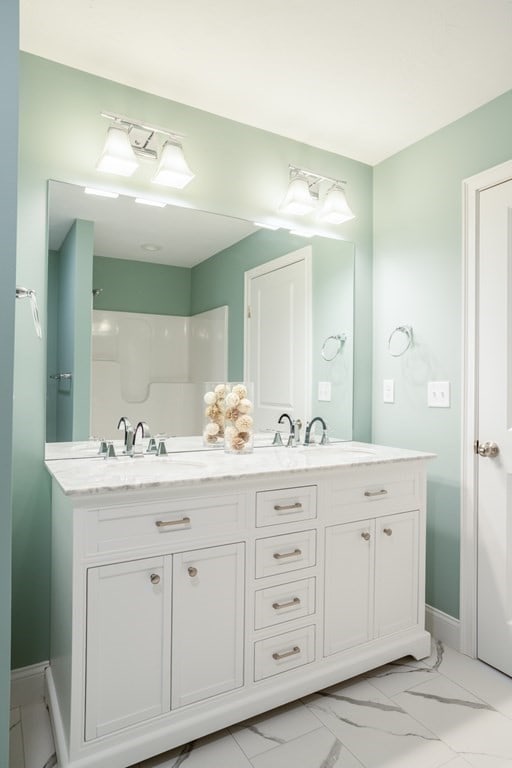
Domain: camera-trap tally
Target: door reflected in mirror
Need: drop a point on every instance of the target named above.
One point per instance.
(138, 267)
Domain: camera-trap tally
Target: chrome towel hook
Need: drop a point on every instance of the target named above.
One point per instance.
(405, 342)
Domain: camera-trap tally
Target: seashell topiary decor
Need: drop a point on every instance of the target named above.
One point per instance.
(214, 400)
(238, 422)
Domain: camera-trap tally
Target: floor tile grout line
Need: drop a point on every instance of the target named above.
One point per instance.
(479, 698)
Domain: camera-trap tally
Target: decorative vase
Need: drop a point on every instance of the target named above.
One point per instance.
(238, 420)
(214, 406)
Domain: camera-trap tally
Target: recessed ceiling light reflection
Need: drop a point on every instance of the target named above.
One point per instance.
(151, 247)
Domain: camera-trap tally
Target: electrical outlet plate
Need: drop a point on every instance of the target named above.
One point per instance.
(438, 394)
(388, 390)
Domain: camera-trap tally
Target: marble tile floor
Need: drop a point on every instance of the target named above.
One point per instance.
(447, 710)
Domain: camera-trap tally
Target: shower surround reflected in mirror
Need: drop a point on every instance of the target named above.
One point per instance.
(181, 264)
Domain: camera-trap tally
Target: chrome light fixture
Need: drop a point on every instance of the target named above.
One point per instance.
(117, 156)
(335, 209)
(307, 192)
(173, 170)
(298, 199)
(130, 140)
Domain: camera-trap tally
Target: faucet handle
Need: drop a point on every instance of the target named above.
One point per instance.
(162, 448)
(110, 452)
(152, 446)
(102, 450)
(324, 440)
(277, 439)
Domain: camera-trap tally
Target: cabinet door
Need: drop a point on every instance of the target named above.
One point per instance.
(128, 644)
(396, 573)
(349, 552)
(207, 620)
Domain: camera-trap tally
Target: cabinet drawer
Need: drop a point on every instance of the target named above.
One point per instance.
(285, 602)
(286, 505)
(177, 521)
(283, 652)
(384, 490)
(289, 552)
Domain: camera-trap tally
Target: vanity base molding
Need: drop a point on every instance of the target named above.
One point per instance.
(179, 612)
(175, 729)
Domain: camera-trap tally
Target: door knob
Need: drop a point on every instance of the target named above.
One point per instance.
(488, 449)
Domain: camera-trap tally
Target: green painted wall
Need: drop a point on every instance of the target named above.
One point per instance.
(418, 281)
(220, 281)
(9, 26)
(74, 332)
(136, 286)
(240, 171)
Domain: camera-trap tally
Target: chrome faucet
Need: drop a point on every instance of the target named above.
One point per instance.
(295, 427)
(307, 436)
(128, 434)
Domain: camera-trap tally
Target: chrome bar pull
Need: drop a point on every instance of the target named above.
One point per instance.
(289, 604)
(281, 555)
(166, 523)
(382, 492)
(294, 651)
(287, 507)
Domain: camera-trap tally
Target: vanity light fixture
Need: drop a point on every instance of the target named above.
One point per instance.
(173, 170)
(307, 192)
(129, 140)
(299, 199)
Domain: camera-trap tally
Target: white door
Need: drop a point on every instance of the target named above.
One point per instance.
(208, 623)
(277, 338)
(494, 425)
(128, 644)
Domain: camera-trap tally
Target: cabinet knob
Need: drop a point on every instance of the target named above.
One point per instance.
(365, 535)
(192, 571)
(155, 578)
(388, 531)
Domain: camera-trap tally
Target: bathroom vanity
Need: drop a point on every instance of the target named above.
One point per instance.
(192, 591)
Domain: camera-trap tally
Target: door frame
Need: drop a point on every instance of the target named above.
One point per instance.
(471, 189)
(304, 254)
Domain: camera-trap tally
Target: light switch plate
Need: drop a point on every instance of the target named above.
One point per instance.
(388, 390)
(438, 394)
(324, 391)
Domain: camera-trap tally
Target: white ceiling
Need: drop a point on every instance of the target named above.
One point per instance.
(362, 78)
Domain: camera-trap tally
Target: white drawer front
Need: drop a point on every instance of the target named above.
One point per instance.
(285, 602)
(381, 491)
(179, 521)
(283, 652)
(286, 505)
(289, 552)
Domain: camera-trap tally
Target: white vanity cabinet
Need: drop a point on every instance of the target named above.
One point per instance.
(178, 610)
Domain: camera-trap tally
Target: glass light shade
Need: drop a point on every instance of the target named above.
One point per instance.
(118, 156)
(335, 209)
(173, 170)
(298, 199)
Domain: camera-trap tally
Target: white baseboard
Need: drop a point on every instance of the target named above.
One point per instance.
(443, 627)
(27, 684)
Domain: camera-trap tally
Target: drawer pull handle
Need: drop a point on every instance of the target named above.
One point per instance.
(365, 535)
(281, 555)
(294, 651)
(382, 492)
(155, 578)
(192, 571)
(388, 531)
(289, 604)
(165, 523)
(287, 507)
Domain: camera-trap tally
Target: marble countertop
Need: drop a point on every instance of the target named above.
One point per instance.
(96, 475)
